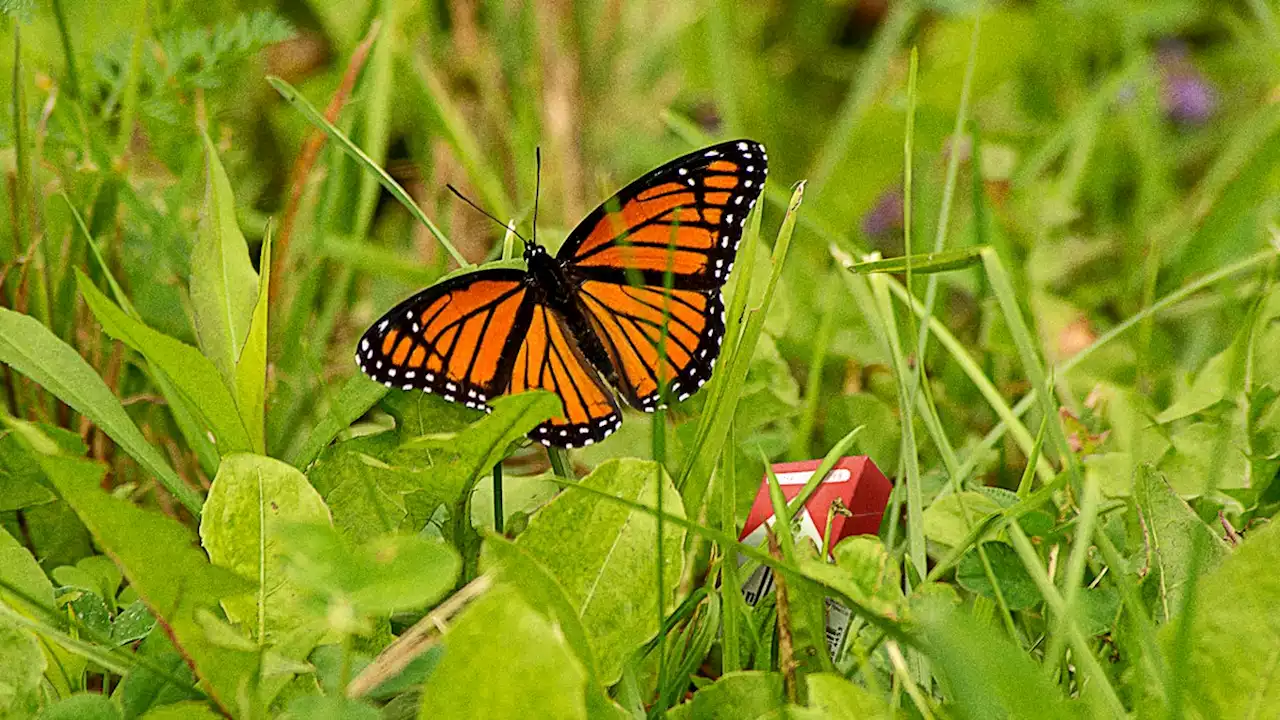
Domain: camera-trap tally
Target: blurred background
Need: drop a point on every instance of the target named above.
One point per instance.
(1112, 152)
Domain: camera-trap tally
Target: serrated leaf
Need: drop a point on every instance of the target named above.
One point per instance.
(945, 520)
(30, 348)
(224, 287)
(1231, 658)
(1170, 526)
(516, 655)
(190, 372)
(601, 552)
(251, 498)
(1016, 586)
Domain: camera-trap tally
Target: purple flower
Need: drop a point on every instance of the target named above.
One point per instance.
(1186, 97)
(885, 217)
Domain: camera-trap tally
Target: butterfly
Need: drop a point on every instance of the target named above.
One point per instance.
(592, 314)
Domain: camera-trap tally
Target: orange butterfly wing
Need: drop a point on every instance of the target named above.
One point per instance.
(484, 334)
(685, 218)
(550, 358)
(456, 339)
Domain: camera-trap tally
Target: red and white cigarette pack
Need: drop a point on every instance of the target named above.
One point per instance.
(857, 483)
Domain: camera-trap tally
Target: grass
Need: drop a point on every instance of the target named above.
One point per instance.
(1072, 386)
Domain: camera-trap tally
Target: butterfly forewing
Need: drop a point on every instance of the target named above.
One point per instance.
(686, 217)
(453, 339)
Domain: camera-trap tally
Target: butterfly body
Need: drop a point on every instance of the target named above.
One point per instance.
(600, 309)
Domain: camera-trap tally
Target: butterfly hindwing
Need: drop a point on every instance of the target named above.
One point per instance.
(628, 320)
(686, 217)
(549, 358)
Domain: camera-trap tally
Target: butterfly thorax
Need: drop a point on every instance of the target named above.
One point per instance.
(548, 278)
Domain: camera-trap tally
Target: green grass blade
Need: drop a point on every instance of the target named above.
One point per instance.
(342, 141)
(800, 439)
(251, 367)
(923, 263)
(31, 349)
(696, 472)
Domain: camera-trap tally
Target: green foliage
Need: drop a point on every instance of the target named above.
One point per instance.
(1032, 279)
(602, 554)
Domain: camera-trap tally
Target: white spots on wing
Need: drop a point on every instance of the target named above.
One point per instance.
(751, 168)
(364, 344)
(379, 365)
(737, 200)
(407, 386)
(408, 314)
(416, 327)
(382, 326)
(682, 171)
(392, 372)
(410, 374)
(746, 183)
(387, 383)
(711, 153)
(728, 218)
(450, 386)
(691, 182)
(742, 146)
(448, 396)
(431, 377)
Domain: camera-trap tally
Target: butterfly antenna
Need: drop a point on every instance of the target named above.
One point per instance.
(537, 189)
(484, 212)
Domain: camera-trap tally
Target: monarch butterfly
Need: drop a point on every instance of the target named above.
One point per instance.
(593, 312)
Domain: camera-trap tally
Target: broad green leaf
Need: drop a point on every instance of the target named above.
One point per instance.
(473, 451)
(82, 706)
(1170, 526)
(30, 348)
(385, 575)
(19, 569)
(158, 556)
(743, 694)
(133, 623)
(983, 674)
(355, 398)
(251, 498)
(364, 492)
(1195, 459)
(944, 519)
(165, 679)
(602, 553)
(251, 367)
(1235, 636)
(185, 710)
(504, 659)
(838, 699)
(806, 617)
(1016, 586)
(190, 372)
(1210, 386)
(21, 665)
(319, 707)
(511, 564)
(224, 287)
(864, 571)
(923, 263)
(22, 485)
